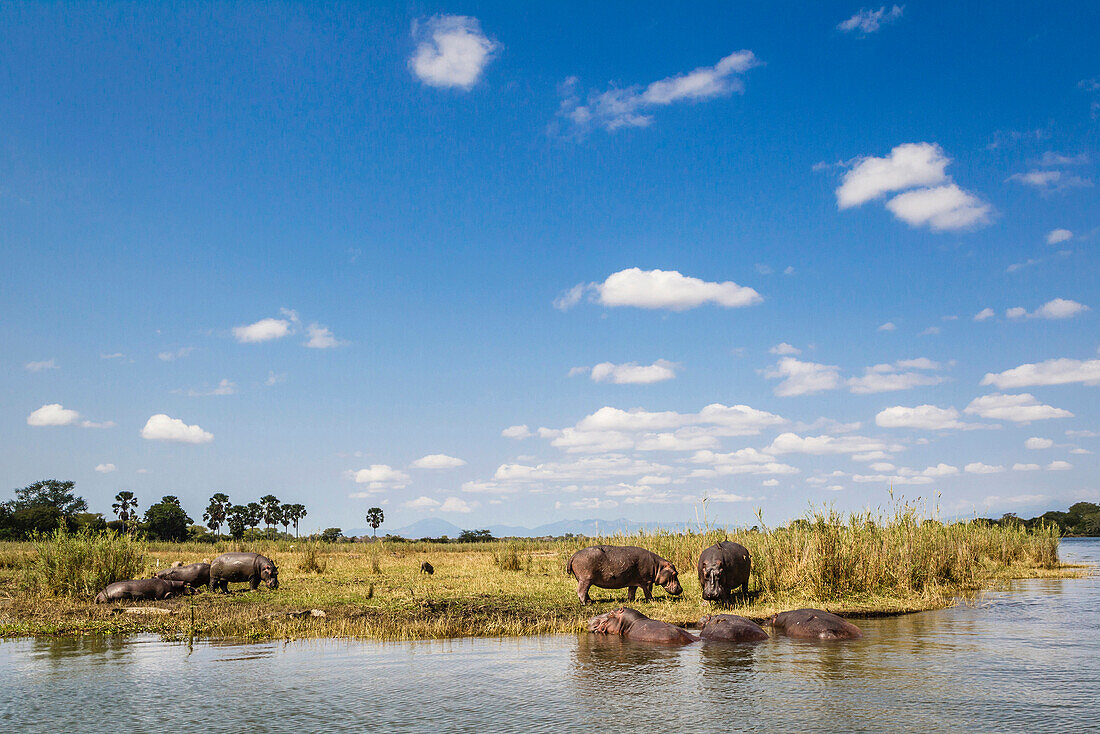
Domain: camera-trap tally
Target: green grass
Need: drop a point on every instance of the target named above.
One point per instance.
(861, 564)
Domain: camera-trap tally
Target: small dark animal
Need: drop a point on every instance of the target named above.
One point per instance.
(814, 624)
(426, 567)
(622, 567)
(242, 567)
(633, 625)
(193, 574)
(730, 628)
(722, 568)
(141, 589)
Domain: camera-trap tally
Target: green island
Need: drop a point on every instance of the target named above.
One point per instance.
(861, 564)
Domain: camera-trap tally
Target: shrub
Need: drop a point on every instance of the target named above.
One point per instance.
(311, 563)
(83, 563)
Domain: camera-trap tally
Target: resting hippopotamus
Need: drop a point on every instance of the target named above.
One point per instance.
(730, 628)
(141, 589)
(238, 567)
(633, 625)
(618, 567)
(814, 624)
(426, 567)
(722, 568)
(193, 574)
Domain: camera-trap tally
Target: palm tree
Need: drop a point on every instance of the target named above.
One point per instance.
(255, 514)
(284, 518)
(125, 507)
(375, 518)
(217, 512)
(294, 513)
(271, 510)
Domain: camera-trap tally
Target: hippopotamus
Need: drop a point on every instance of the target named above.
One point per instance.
(730, 628)
(238, 567)
(633, 625)
(618, 567)
(723, 567)
(193, 574)
(141, 589)
(814, 624)
(426, 567)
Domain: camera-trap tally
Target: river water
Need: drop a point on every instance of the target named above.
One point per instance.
(1025, 659)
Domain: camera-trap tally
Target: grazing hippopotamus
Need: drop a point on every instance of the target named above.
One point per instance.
(722, 568)
(814, 624)
(730, 628)
(426, 567)
(193, 574)
(141, 589)
(618, 567)
(238, 567)
(633, 625)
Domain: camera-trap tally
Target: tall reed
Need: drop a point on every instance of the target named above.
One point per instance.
(81, 564)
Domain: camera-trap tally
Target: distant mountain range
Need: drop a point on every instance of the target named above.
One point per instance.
(434, 527)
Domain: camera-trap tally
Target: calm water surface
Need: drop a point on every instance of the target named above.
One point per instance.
(1027, 659)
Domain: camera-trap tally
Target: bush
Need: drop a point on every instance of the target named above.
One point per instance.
(311, 563)
(83, 563)
(507, 558)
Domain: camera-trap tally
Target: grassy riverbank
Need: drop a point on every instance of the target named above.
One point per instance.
(855, 565)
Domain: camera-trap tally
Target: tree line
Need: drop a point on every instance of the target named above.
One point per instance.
(1082, 519)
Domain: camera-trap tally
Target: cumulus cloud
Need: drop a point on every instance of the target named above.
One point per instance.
(938, 203)
(1022, 408)
(1036, 443)
(516, 432)
(979, 468)
(421, 503)
(321, 337)
(161, 427)
(224, 387)
(1050, 372)
(262, 331)
(984, 314)
(171, 356)
(48, 364)
(438, 461)
(923, 417)
(893, 377)
(783, 348)
(619, 107)
(1059, 466)
(632, 373)
(106, 468)
(792, 443)
(1059, 308)
(868, 21)
(1025, 467)
(888, 326)
(803, 378)
(380, 476)
(455, 504)
(54, 414)
(452, 51)
(663, 289)
(1058, 235)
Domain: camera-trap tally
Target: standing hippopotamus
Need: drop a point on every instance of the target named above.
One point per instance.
(722, 568)
(730, 628)
(141, 589)
(238, 567)
(814, 624)
(633, 625)
(618, 567)
(193, 574)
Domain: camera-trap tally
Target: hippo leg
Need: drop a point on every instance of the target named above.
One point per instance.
(745, 587)
(254, 582)
(648, 590)
(582, 592)
(630, 593)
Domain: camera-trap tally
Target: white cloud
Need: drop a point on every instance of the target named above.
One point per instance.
(438, 461)
(770, 483)
(892, 377)
(803, 378)
(930, 331)
(1021, 408)
(1036, 443)
(631, 373)
(1080, 451)
(924, 417)
(224, 387)
(262, 331)
(274, 379)
(53, 414)
(632, 106)
(172, 356)
(984, 314)
(380, 476)
(1050, 372)
(321, 337)
(421, 503)
(1058, 235)
(979, 468)
(942, 208)
(669, 289)
(1059, 308)
(888, 326)
(1083, 434)
(106, 468)
(1025, 467)
(869, 21)
(453, 51)
(1020, 266)
(907, 166)
(1050, 181)
(1052, 158)
(48, 364)
(1059, 466)
(783, 348)
(730, 497)
(1016, 312)
(455, 504)
(516, 432)
(115, 355)
(791, 443)
(571, 297)
(160, 427)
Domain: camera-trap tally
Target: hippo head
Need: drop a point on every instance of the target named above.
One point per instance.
(712, 579)
(705, 620)
(270, 576)
(669, 578)
(599, 623)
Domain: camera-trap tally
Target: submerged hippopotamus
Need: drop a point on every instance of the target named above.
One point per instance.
(730, 628)
(618, 567)
(141, 589)
(814, 624)
(193, 574)
(722, 568)
(633, 625)
(239, 567)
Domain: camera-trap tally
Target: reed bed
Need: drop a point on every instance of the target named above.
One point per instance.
(857, 564)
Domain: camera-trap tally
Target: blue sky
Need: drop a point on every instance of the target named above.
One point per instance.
(344, 255)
